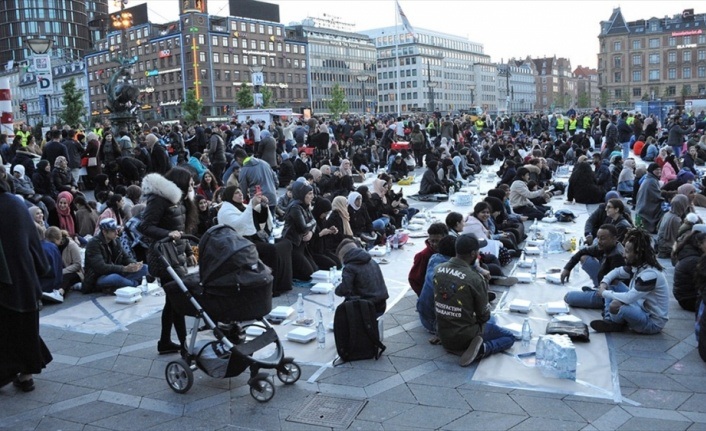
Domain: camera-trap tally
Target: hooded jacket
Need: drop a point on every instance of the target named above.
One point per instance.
(362, 277)
(669, 226)
(256, 172)
(684, 286)
(298, 220)
(42, 181)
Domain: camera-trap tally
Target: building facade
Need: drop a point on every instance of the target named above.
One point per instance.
(588, 93)
(63, 21)
(337, 55)
(437, 72)
(556, 85)
(213, 55)
(517, 90)
(651, 59)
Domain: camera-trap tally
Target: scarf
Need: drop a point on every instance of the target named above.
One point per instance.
(340, 204)
(352, 197)
(377, 188)
(66, 220)
(347, 169)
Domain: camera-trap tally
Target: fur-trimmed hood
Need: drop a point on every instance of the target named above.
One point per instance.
(155, 184)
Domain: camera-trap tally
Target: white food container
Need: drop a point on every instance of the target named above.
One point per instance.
(301, 335)
(520, 305)
(321, 288)
(128, 295)
(281, 312)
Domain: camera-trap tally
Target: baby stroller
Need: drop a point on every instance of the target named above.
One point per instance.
(231, 293)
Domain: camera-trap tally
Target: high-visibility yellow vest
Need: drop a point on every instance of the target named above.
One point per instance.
(98, 132)
(572, 124)
(25, 137)
(480, 124)
(630, 120)
(586, 122)
(559, 124)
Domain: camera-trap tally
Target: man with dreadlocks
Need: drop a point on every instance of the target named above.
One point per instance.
(642, 304)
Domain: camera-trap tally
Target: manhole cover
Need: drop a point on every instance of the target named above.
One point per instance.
(328, 411)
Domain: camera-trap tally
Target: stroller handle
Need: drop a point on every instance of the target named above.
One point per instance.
(189, 237)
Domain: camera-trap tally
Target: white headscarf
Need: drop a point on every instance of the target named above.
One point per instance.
(352, 197)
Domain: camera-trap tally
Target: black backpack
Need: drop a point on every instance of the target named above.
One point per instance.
(355, 330)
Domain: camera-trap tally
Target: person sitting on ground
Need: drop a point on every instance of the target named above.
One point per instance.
(419, 267)
(643, 304)
(520, 196)
(107, 266)
(669, 226)
(648, 201)
(431, 183)
(455, 222)
(616, 215)
(52, 292)
(582, 185)
(596, 261)
(462, 307)
(425, 302)
(686, 255)
(361, 276)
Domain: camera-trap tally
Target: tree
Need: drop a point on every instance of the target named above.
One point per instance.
(244, 97)
(267, 96)
(338, 104)
(604, 97)
(192, 107)
(74, 108)
(584, 100)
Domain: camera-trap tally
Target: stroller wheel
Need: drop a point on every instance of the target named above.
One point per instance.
(179, 376)
(262, 390)
(289, 372)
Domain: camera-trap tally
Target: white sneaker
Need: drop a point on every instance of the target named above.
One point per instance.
(54, 297)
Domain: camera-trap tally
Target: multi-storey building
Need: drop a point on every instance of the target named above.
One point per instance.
(517, 90)
(213, 55)
(338, 56)
(649, 59)
(63, 21)
(437, 71)
(556, 85)
(588, 94)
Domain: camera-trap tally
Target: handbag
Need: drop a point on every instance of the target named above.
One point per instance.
(170, 251)
(92, 161)
(577, 331)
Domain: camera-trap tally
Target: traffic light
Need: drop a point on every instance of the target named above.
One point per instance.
(226, 109)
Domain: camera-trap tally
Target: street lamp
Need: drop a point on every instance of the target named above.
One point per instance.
(431, 84)
(362, 79)
(258, 79)
(472, 87)
(41, 62)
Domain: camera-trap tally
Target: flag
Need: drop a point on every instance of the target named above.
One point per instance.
(405, 21)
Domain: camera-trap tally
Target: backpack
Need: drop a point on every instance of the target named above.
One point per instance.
(355, 330)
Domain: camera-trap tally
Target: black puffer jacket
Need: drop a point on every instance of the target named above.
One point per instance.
(62, 179)
(362, 277)
(685, 288)
(164, 212)
(42, 181)
(360, 220)
(298, 220)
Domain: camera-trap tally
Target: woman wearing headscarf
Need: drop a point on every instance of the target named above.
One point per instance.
(93, 145)
(38, 219)
(626, 178)
(340, 219)
(669, 169)
(22, 261)
(299, 228)
(648, 200)
(64, 215)
(582, 186)
(25, 188)
(669, 226)
(254, 222)
(317, 246)
(430, 182)
(61, 176)
(42, 182)
(114, 210)
(361, 224)
(345, 168)
(381, 202)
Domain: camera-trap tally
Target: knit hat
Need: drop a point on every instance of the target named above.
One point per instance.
(300, 190)
(612, 195)
(346, 246)
(466, 244)
(652, 166)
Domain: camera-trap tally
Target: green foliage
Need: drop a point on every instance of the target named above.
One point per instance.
(192, 107)
(584, 100)
(267, 97)
(604, 98)
(74, 108)
(338, 104)
(244, 97)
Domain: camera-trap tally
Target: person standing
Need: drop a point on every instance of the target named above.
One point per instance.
(22, 260)
(170, 213)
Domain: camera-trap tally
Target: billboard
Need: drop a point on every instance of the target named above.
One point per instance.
(139, 16)
(198, 6)
(255, 10)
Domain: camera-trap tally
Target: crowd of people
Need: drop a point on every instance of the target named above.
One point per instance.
(172, 181)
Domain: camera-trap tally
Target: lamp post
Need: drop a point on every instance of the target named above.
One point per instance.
(431, 84)
(41, 62)
(472, 87)
(258, 79)
(362, 79)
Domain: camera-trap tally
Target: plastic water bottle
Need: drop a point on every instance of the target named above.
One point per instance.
(388, 245)
(332, 274)
(545, 249)
(395, 241)
(535, 228)
(405, 222)
(320, 330)
(522, 256)
(526, 333)
(300, 307)
(331, 300)
(145, 287)
(533, 270)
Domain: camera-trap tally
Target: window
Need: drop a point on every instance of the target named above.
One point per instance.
(617, 46)
(672, 41)
(224, 41)
(636, 44)
(244, 43)
(617, 77)
(654, 58)
(702, 38)
(618, 93)
(252, 27)
(226, 58)
(637, 76)
(202, 39)
(236, 59)
(234, 42)
(202, 57)
(672, 73)
(270, 46)
(701, 54)
(279, 46)
(262, 45)
(287, 48)
(263, 60)
(214, 40)
(686, 40)
(686, 73)
(269, 29)
(261, 28)
(672, 90)
(672, 56)
(701, 72)
(278, 31)
(245, 59)
(654, 42)
(617, 62)
(636, 59)
(654, 75)
(243, 26)
(686, 55)
(637, 92)
(216, 57)
(253, 44)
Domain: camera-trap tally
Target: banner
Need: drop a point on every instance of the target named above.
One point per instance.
(405, 21)
(45, 83)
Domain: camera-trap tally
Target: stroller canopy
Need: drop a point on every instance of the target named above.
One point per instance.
(224, 256)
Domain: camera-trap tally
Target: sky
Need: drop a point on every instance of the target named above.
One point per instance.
(506, 28)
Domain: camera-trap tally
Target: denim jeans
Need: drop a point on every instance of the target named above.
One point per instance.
(626, 149)
(381, 223)
(633, 315)
(496, 339)
(582, 299)
(132, 279)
